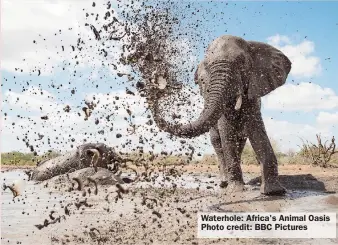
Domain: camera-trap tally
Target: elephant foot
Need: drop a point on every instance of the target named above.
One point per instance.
(235, 187)
(272, 189)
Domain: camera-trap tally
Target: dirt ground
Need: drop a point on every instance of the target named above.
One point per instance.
(162, 215)
(327, 175)
(176, 220)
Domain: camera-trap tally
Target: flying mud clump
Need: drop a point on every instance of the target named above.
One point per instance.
(153, 55)
(143, 45)
(149, 37)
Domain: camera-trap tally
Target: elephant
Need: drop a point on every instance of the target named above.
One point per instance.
(233, 76)
(97, 155)
(87, 177)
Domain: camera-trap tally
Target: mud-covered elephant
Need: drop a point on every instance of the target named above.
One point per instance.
(98, 155)
(91, 164)
(232, 77)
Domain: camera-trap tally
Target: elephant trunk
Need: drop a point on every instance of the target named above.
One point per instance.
(217, 92)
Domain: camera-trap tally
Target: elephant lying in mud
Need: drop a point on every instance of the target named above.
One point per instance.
(96, 155)
(233, 76)
(87, 177)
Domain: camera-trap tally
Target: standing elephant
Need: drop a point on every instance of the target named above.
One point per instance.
(233, 76)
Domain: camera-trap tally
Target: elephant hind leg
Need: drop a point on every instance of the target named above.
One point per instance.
(269, 168)
(265, 154)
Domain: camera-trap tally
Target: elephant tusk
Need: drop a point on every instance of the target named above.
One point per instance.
(95, 158)
(238, 103)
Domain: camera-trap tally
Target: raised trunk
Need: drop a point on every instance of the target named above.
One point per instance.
(220, 89)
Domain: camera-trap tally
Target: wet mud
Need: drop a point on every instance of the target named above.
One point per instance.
(163, 211)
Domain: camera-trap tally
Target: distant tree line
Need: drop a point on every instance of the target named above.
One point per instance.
(316, 154)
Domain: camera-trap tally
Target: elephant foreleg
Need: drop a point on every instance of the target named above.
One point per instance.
(217, 144)
(232, 145)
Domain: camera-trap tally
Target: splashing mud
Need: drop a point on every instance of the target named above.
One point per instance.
(166, 205)
(137, 48)
(146, 52)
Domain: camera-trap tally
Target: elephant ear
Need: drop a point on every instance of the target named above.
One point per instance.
(270, 68)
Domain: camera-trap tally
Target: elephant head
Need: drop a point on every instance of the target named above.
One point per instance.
(232, 68)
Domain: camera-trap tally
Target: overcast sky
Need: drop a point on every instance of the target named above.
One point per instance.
(307, 32)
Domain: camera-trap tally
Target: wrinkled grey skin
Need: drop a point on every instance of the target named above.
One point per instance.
(233, 67)
(74, 160)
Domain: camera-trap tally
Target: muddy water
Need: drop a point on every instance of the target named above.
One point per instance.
(18, 217)
(187, 181)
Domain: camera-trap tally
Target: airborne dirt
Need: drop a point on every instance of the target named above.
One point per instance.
(164, 210)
